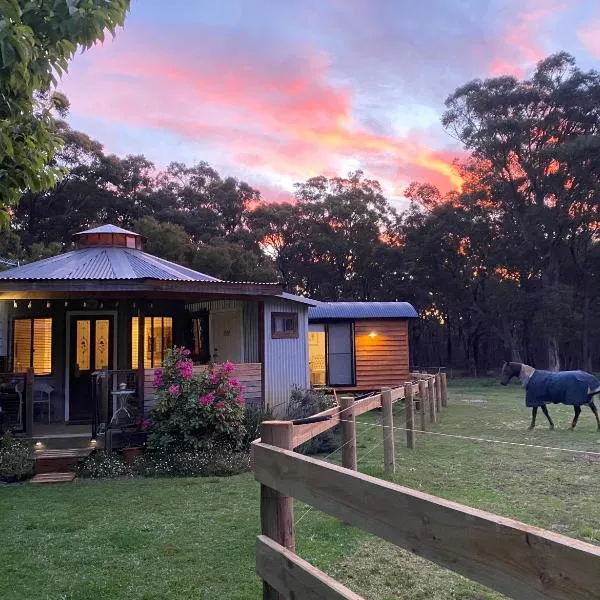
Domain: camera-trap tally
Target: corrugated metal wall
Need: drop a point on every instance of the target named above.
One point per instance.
(249, 318)
(286, 360)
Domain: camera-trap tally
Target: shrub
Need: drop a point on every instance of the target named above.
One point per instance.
(16, 459)
(192, 463)
(195, 413)
(253, 418)
(103, 465)
(305, 403)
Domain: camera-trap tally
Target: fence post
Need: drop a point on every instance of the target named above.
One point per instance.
(444, 390)
(277, 510)
(431, 398)
(389, 454)
(348, 432)
(410, 415)
(422, 402)
(29, 383)
(438, 392)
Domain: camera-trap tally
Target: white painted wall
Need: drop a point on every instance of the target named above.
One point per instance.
(286, 360)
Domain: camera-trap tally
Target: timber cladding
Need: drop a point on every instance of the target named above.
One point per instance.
(381, 350)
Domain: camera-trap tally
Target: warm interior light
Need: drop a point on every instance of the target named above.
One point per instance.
(373, 334)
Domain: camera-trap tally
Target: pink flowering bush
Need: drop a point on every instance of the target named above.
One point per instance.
(195, 412)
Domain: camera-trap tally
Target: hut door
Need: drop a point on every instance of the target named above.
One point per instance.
(90, 350)
(340, 365)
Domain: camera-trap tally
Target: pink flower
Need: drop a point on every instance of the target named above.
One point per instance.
(185, 368)
(157, 380)
(186, 352)
(220, 404)
(214, 378)
(227, 368)
(234, 382)
(240, 401)
(174, 390)
(206, 400)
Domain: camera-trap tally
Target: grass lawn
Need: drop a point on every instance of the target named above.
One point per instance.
(194, 538)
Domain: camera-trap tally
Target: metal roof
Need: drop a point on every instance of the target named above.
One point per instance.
(106, 263)
(362, 310)
(300, 299)
(108, 229)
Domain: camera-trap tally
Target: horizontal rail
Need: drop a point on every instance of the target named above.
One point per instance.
(303, 433)
(513, 558)
(293, 577)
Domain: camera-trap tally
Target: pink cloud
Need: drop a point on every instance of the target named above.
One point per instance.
(264, 112)
(589, 36)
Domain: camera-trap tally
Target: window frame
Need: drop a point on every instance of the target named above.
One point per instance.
(285, 335)
(31, 364)
(165, 349)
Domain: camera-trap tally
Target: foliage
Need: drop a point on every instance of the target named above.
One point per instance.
(16, 459)
(37, 39)
(253, 419)
(103, 465)
(195, 413)
(214, 462)
(305, 403)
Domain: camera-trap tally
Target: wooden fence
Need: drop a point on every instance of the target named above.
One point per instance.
(516, 559)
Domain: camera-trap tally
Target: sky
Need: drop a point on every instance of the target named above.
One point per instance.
(274, 92)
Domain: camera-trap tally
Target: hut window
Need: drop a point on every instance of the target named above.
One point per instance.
(32, 345)
(158, 339)
(284, 325)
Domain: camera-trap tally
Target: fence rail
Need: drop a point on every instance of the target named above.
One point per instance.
(516, 559)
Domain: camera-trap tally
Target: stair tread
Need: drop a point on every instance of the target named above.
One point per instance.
(64, 453)
(53, 477)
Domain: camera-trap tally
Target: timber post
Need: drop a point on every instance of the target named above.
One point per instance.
(438, 392)
(276, 509)
(29, 389)
(348, 432)
(389, 454)
(431, 398)
(444, 390)
(410, 415)
(422, 404)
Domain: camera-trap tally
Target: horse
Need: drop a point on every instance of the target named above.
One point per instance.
(574, 388)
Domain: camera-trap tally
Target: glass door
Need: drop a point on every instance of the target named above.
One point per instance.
(90, 350)
(340, 363)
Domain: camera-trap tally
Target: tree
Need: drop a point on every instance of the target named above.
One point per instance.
(540, 140)
(37, 39)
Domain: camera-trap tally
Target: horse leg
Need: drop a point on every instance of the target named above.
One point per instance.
(595, 411)
(577, 413)
(533, 416)
(545, 411)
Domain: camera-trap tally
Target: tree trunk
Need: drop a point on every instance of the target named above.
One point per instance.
(585, 341)
(553, 354)
(448, 342)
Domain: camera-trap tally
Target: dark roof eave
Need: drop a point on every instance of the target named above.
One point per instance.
(138, 285)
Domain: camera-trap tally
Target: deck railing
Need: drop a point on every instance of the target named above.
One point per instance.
(16, 402)
(516, 559)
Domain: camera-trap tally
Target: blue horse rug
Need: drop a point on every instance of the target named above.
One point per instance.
(563, 387)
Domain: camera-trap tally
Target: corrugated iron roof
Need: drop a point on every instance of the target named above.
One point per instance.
(300, 299)
(106, 263)
(107, 229)
(362, 310)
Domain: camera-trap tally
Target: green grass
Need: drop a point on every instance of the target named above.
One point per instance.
(194, 538)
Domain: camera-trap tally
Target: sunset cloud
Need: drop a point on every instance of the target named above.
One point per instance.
(589, 36)
(285, 91)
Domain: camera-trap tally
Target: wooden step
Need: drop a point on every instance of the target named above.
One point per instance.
(59, 461)
(53, 478)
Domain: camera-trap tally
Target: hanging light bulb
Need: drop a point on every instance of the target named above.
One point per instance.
(66, 304)
(48, 304)
(101, 304)
(29, 305)
(14, 304)
(84, 304)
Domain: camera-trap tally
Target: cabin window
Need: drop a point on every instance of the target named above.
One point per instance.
(32, 345)
(158, 339)
(284, 325)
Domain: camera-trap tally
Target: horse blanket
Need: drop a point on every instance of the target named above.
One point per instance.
(563, 387)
